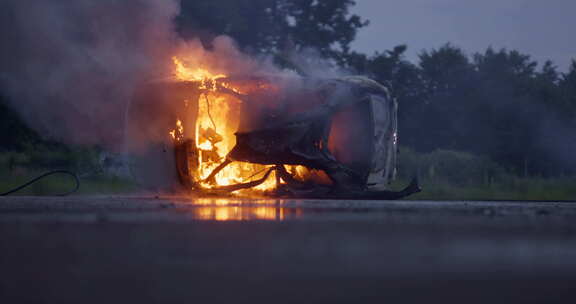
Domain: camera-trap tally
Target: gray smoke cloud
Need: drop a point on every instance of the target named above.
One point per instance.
(70, 67)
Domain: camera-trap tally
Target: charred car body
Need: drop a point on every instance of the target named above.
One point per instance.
(300, 137)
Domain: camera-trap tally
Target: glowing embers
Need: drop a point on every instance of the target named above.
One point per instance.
(212, 121)
(178, 132)
(216, 122)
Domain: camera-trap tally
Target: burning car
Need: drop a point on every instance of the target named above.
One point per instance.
(282, 136)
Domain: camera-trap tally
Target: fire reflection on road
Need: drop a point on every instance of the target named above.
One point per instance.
(241, 210)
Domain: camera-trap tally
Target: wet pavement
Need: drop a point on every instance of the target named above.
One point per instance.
(176, 250)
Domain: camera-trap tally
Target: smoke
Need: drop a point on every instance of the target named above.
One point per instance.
(69, 67)
(310, 62)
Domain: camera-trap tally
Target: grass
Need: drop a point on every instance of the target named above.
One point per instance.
(17, 168)
(456, 175)
(56, 184)
(511, 188)
(445, 175)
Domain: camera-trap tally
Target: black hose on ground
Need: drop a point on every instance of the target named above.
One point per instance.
(76, 180)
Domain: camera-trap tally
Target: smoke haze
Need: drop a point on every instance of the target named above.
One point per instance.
(69, 67)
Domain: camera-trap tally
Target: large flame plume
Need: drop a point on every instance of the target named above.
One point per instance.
(217, 119)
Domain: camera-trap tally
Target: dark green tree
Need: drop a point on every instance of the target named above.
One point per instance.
(567, 86)
(546, 88)
(271, 26)
(498, 104)
(448, 83)
(511, 113)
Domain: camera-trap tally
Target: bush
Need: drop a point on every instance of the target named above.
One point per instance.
(454, 167)
(83, 160)
(454, 175)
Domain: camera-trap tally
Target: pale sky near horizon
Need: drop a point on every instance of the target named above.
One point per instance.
(542, 29)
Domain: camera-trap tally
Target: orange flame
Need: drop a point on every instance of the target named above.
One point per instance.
(199, 74)
(177, 133)
(216, 122)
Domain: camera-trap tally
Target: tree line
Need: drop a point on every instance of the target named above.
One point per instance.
(496, 103)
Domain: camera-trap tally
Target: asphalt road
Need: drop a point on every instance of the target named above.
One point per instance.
(180, 250)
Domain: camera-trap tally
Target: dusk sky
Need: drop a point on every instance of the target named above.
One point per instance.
(542, 29)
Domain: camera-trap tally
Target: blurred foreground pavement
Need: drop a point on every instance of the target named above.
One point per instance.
(179, 250)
